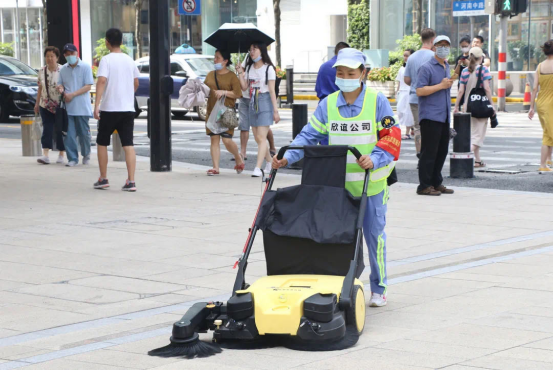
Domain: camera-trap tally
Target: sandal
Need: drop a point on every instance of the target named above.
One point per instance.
(240, 168)
(406, 137)
(243, 158)
(479, 164)
(273, 153)
(212, 172)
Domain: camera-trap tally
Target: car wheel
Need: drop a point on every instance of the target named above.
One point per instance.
(179, 114)
(4, 114)
(202, 112)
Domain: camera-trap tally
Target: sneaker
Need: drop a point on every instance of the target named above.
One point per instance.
(45, 160)
(101, 184)
(377, 300)
(444, 190)
(129, 186)
(71, 164)
(257, 172)
(60, 160)
(430, 191)
(86, 160)
(549, 163)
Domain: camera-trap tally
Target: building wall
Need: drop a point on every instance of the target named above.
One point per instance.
(305, 30)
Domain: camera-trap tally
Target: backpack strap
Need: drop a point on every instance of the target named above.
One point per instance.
(267, 74)
(46, 82)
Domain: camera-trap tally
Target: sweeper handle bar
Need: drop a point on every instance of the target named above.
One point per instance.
(283, 150)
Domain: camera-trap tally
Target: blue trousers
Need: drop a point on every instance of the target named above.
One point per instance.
(77, 127)
(375, 237)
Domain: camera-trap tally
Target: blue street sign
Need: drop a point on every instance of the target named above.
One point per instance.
(468, 8)
(190, 7)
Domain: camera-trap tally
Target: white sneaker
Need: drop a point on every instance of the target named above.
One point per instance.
(268, 168)
(45, 160)
(257, 172)
(71, 164)
(86, 160)
(377, 300)
(60, 160)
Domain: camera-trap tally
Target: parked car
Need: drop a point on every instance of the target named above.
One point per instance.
(18, 88)
(183, 67)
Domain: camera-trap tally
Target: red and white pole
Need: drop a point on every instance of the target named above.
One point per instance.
(502, 65)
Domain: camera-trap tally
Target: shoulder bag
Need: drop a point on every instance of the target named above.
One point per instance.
(229, 119)
(478, 104)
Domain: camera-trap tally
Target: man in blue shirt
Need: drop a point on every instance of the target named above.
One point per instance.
(433, 89)
(411, 70)
(327, 74)
(360, 117)
(75, 82)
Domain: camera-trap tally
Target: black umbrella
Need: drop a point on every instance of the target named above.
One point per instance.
(234, 37)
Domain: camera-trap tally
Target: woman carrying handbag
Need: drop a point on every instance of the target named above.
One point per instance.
(47, 102)
(223, 83)
(475, 83)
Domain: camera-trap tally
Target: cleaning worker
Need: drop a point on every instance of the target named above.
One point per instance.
(360, 117)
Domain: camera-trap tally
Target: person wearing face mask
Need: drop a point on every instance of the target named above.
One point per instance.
(257, 80)
(434, 92)
(403, 109)
(75, 81)
(358, 116)
(223, 83)
(462, 61)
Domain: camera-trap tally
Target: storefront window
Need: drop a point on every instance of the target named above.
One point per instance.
(7, 25)
(394, 30)
(34, 34)
(106, 14)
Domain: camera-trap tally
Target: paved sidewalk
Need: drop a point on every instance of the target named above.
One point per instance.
(94, 279)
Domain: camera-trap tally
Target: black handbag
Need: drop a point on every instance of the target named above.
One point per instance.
(479, 105)
(62, 121)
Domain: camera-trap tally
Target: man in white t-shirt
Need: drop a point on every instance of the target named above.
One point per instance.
(114, 108)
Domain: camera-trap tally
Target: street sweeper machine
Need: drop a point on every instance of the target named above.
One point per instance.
(312, 298)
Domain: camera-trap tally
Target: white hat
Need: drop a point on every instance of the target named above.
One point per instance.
(442, 38)
(477, 52)
(351, 58)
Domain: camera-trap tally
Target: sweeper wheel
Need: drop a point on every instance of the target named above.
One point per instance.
(355, 316)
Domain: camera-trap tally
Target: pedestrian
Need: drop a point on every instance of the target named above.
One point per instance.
(470, 78)
(462, 60)
(47, 100)
(414, 64)
(223, 83)
(478, 42)
(326, 78)
(543, 90)
(75, 82)
(403, 109)
(342, 117)
(244, 124)
(258, 79)
(433, 88)
(114, 107)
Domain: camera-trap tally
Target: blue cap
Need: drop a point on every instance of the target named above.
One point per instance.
(351, 58)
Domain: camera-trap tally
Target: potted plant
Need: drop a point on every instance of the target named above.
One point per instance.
(516, 51)
(383, 79)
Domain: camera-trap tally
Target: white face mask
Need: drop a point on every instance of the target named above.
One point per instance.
(465, 50)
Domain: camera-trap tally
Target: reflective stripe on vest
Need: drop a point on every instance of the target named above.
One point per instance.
(360, 132)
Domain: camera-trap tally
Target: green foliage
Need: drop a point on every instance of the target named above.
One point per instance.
(408, 42)
(359, 20)
(6, 49)
(101, 50)
(384, 74)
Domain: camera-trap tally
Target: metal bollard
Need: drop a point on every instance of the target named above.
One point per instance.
(30, 147)
(299, 120)
(462, 158)
(117, 147)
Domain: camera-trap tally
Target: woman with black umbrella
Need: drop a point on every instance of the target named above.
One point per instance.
(258, 79)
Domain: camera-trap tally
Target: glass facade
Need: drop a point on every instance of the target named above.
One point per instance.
(526, 32)
(22, 28)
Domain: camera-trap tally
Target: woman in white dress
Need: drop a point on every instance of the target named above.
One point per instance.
(403, 109)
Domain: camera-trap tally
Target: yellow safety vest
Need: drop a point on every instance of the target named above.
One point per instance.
(360, 132)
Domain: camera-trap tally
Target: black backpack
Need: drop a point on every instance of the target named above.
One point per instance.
(479, 105)
(277, 81)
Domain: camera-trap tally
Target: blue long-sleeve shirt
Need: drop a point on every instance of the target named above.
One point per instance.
(309, 136)
(326, 79)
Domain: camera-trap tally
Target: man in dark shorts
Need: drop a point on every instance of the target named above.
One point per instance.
(114, 108)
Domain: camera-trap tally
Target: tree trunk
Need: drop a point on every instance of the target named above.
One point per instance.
(44, 24)
(419, 16)
(276, 5)
(137, 33)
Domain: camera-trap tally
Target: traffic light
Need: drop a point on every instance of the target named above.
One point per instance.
(512, 7)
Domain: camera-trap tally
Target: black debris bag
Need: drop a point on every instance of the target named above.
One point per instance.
(312, 228)
(479, 105)
(61, 123)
